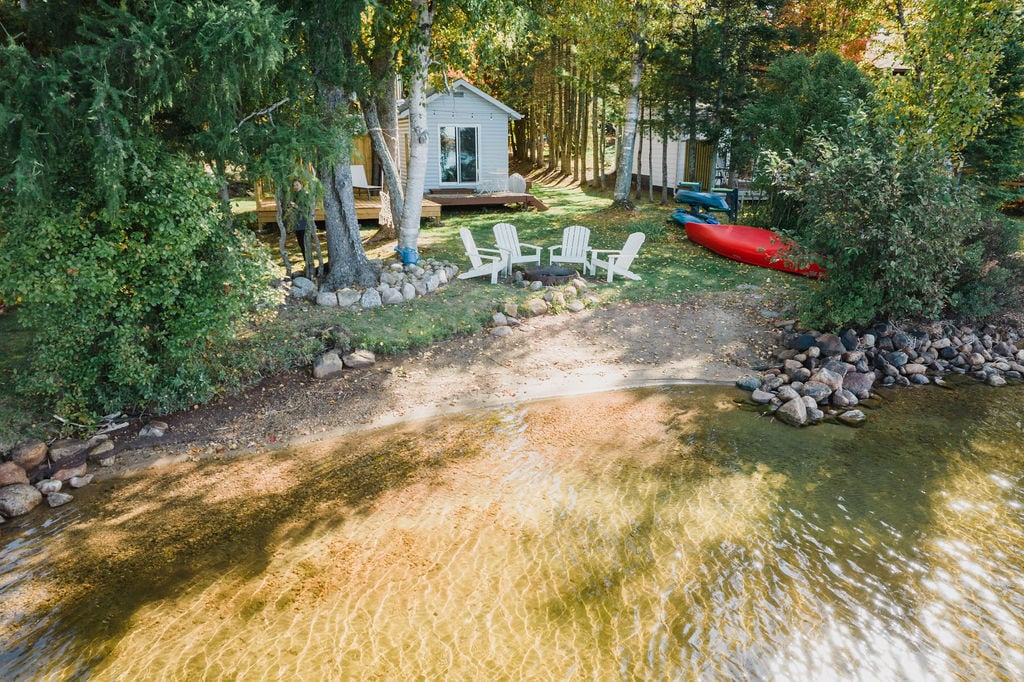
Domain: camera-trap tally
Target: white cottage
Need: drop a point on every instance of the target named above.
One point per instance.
(468, 146)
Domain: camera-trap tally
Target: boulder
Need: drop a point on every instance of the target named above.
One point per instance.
(49, 485)
(18, 499)
(66, 450)
(761, 397)
(29, 454)
(371, 299)
(360, 358)
(327, 365)
(501, 332)
(829, 377)
(793, 412)
(58, 499)
(12, 473)
(408, 291)
(818, 391)
(348, 297)
(576, 306)
(70, 472)
(327, 299)
(499, 320)
(859, 384)
(830, 344)
(537, 306)
(392, 296)
(852, 418)
(749, 382)
(80, 481)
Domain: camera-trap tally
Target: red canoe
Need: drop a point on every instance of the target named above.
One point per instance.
(752, 245)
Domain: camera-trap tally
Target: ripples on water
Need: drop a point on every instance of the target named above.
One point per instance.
(657, 534)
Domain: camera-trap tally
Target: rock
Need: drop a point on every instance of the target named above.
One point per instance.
(995, 380)
(101, 448)
(408, 291)
(392, 296)
(58, 499)
(801, 374)
(328, 299)
(66, 450)
(749, 382)
(536, 285)
(152, 430)
(802, 342)
(793, 412)
(830, 344)
(432, 282)
(787, 393)
(18, 499)
(348, 297)
(327, 365)
(501, 332)
(898, 358)
(80, 481)
(913, 368)
(772, 382)
(859, 384)
(12, 473)
(976, 360)
(761, 397)
(511, 310)
(818, 391)
(558, 299)
(70, 472)
(536, 306)
(843, 398)
(360, 359)
(849, 339)
(577, 306)
(919, 379)
(29, 454)
(49, 485)
(829, 377)
(499, 320)
(371, 299)
(852, 418)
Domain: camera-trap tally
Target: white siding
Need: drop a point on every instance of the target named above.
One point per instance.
(676, 160)
(469, 110)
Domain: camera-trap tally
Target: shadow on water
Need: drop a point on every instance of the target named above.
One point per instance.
(215, 518)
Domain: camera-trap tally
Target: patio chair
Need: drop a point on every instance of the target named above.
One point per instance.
(483, 263)
(507, 239)
(359, 180)
(574, 247)
(617, 261)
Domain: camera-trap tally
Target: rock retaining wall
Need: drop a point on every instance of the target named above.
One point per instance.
(818, 375)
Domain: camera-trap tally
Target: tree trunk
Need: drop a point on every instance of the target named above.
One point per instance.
(624, 165)
(348, 262)
(639, 154)
(415, 180)
(279, 198)
(664, 163)
(384, 136)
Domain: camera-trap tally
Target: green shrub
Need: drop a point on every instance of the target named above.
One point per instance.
(900, 236)
(133, 308)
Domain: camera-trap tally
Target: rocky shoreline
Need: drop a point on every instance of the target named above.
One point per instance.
(819, 375)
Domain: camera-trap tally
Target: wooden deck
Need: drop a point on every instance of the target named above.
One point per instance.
(487, 199)
(366, 209)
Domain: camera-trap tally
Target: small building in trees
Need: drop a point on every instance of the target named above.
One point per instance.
(686, 160)
(469, 140)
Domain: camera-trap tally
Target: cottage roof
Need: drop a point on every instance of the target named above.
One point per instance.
(463, 84)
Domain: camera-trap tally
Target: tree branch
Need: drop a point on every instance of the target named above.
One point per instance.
(269, 110)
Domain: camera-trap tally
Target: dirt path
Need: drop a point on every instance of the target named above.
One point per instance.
(712, 339)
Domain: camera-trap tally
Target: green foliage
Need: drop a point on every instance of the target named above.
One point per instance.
(134, 308)
(801, 97)
(897, 232)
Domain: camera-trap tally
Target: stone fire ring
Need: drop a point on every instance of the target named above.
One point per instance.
(550, 275)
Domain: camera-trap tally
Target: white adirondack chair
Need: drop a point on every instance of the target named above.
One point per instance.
(507, 238)
(574, 247)
(490, 263)
(617, 261)
(359, 180)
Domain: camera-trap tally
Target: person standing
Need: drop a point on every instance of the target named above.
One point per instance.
(299, 210)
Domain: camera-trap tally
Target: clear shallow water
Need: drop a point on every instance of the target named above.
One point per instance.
(657, 534)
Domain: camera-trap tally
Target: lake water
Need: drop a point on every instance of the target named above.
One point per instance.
(654, 534)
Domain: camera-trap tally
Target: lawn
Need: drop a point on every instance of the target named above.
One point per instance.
(672, 269)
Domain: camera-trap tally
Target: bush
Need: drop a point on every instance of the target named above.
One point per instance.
(132, 308)
(900, 236)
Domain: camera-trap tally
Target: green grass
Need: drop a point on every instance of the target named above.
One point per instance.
(672, 268)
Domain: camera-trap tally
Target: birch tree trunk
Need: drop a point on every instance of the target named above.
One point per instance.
(624, 164)
(409, 230)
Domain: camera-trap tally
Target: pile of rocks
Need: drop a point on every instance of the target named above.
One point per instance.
(398, 284)
(34, 471)
(821, 375)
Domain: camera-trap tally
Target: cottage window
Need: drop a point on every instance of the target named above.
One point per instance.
(458, 154)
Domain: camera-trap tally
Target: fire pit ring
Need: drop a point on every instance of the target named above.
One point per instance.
(550, 275)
